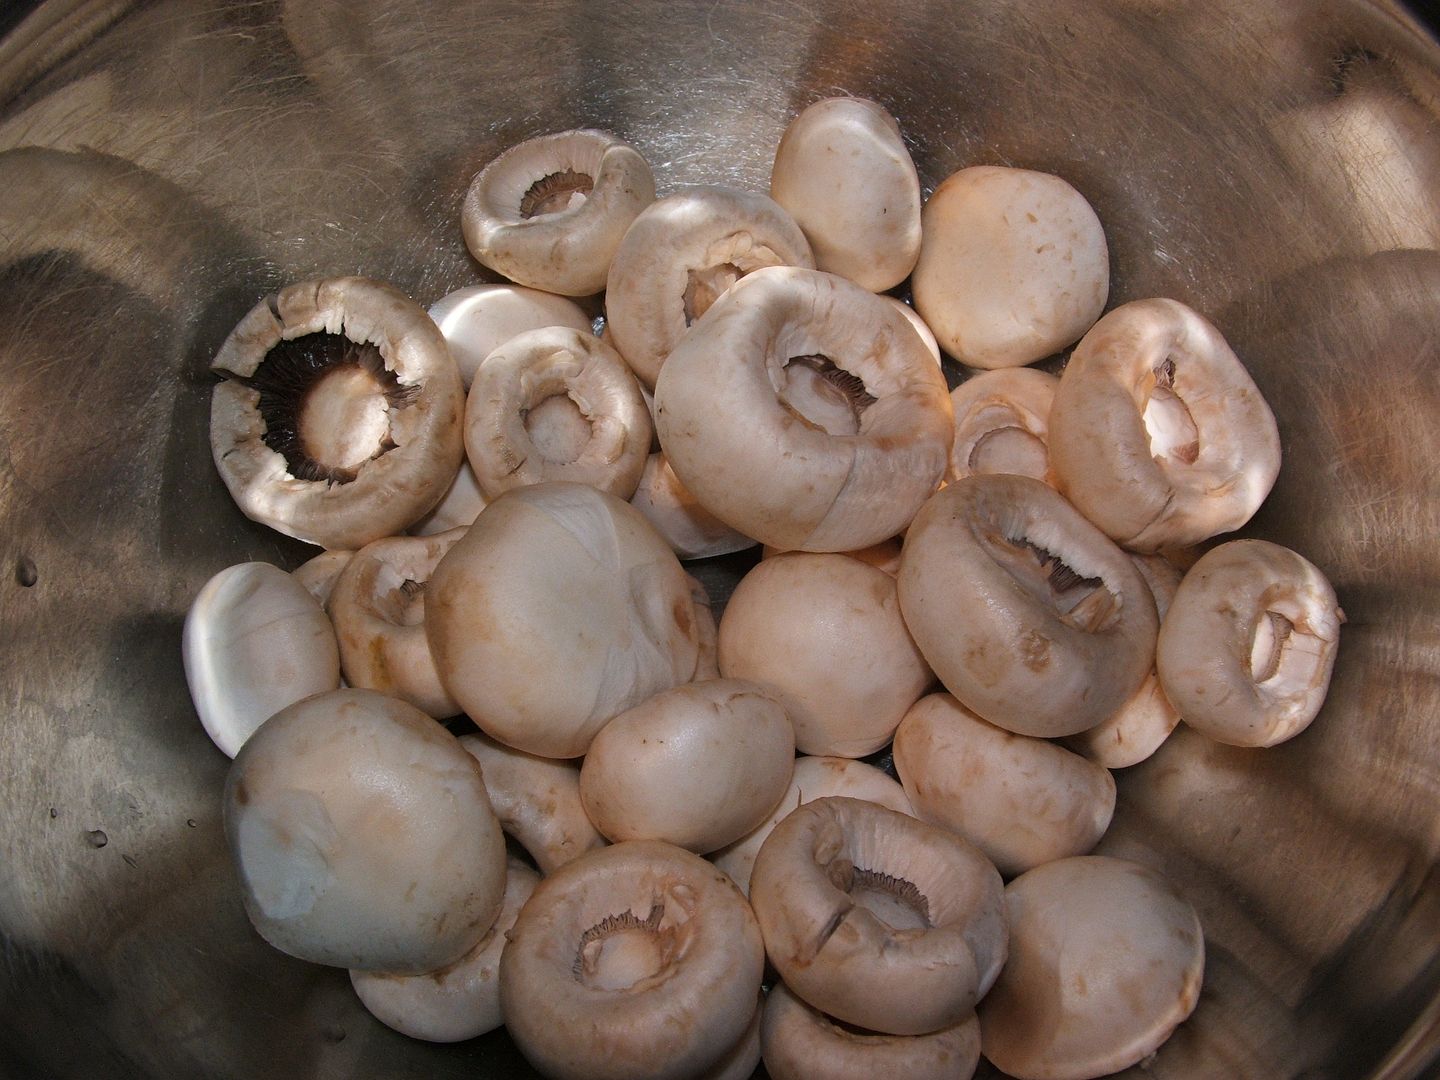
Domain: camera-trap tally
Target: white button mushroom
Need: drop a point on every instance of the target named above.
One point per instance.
(1022, 801)
(255, 641)
(1248, 646)
(691, 530)
(843, 172)
(550, 212)
(825, 631)
(339, 422)
(362, 836)
(1013, 266)
(458, 507)
(1105, 962)
(319, 574)
(913, 318)
(1158, 434)
(818, 387)
(1002, 423)
(478, 319)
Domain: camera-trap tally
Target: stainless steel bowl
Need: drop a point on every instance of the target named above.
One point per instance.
(1273, 163)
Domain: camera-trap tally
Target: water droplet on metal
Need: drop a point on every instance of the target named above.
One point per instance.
(191, 822)
(25, 573)
(54, 813)
(97, 838)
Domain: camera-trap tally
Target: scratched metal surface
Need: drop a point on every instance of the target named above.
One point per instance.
(1273, 164)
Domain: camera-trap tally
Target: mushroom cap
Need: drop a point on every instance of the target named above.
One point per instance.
(879, 919)
(362, 835)
(1029, 615)
(459, 1001)
(568, 250)
(825, 631)
(1106, 959)
(843, 172)
(378, 610)
(729, 407)
(1248, 645)
(1158, 434)
(596, 429)
(1022, 801)
(559, 608)
(707, 634)
(458, 507)
(1013, 266)
(255, 641)
(638, 961)
(913, 318)
(697, 766)
(319, 574)
(691, 530)
(681, 254)
(1002, 423)
(478, 319)
(799, 1042)
(390, 490)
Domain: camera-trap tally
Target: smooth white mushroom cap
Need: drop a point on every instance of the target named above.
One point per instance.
(1158, 434)
(799, 1042)
(1013, 266)
(913, 318)
(879, 919)
(1029, 615)
(639, 961)
(1002, 423)
(409, 451)
(478, 319)
(559, 608)
(843, 172)
(362, 836)
(691, 530)
(1106, 960)
(319, 574)
(742, 1059)
(255, 641)
(825, 631)
(458, 507)
(681, 254)
(805, 412)
(550, 212)
(697, 766)
(1248, 646)
(1022, 801)
(459, 1001)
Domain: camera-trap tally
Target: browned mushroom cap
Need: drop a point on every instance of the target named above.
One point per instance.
(681, 254)
(362, 835)
(1022, 801)
(1105, 962)
(822, 389)
(556, 404)
(1248, 646)
(1002, 423)
(378, 608)
(638, 961)
(1029, 614)
(550, 212)
(339, 422)
(798, 1042)
(879, 919)
(1158, 434)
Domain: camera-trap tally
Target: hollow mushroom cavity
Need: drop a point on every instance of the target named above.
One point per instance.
(1002, 423)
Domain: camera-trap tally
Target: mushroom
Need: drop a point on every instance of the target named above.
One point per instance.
(1002, 423)
(844, 174)
(1022, 801)
(362, 836)
(339, 420)
(537, 801)
(639, 961)
(550, 212)
(559, 608)
(741, 1060)
(254, 641)
(458, 507)
(697, 766)
(378, 610)
(913, 318)
(1029, 615)
(691, 530)
(319, 574)
(878, 919)
(883, 556)
(821, 388)
(1248, 646)
(706, 632)
(461, 1000)
(1106, 960)
(681, 254)
(798, 1042)
(478, 319)
(825, 631)
(813, 778)
(1013, 266)
(556, 404)
(1158, 434)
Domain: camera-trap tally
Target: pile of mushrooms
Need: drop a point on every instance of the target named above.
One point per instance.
(500, 638)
